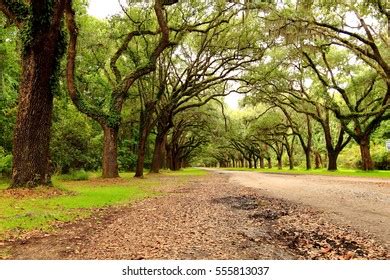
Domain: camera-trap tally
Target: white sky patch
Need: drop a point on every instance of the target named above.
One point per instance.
(308, 82)
(104, 8)
(232, 100)
(267, 59)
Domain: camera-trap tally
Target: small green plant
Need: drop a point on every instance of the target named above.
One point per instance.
(77, 175)
(5, 165)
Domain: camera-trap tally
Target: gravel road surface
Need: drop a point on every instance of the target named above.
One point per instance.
(363, 203)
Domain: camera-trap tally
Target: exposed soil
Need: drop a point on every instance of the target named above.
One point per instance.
(206, 218)
(361, 203)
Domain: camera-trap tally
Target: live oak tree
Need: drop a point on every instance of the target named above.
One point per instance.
(191, 130)
(121, 81)
(152, 90)
(318, 68)
(362, 31)
(286, 83)
(273, 130)
(202, 68)
(43, 43)
(292, 120)
(219, 152)
(302, 130)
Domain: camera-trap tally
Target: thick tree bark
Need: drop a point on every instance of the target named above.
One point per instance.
(168, 157)
(290, 151)
(40, 62)
(123, 81)
(262, 162)
(269, 163)
(164, 152)
(318, 160)
(32, 130)
(290, 161)
(367, 163)
(255, 162)
(146, 124)
(307, 145)
(332, 160)
(308, 158)
(159, 145)
(176, 164)
(110, 152)
(333, 150)
(280, 164)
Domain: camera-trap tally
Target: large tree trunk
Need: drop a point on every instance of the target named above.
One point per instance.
(280, 165)
(255, 162)
(333, 151)
(269, 163)
(164, 151)
(168, 153)
(159, 145)
(40, 62)
(32, 130)
(145, 126)
(176, 163)
(110, 152)
(318, 160)
(291, 162)
(332, 160)
(308, 148)
(262, 162)
(367, 163)
(308, 158)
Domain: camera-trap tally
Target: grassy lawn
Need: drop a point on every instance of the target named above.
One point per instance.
(340, 172)
(25, 209)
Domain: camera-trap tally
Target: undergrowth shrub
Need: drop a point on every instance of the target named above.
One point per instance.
(75, 175)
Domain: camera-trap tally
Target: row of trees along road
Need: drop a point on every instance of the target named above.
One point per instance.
(195, 43)
(314, 73)
(329, 63)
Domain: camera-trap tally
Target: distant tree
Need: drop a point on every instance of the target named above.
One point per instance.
(190, 131)
(201, 69)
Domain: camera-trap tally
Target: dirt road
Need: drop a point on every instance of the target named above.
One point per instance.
(228, 215)
(363, 203)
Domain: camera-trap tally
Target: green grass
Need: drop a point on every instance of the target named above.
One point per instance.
(78, 175)
(26, 209)
(3, 183)
(340, 172)
(38, 211)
